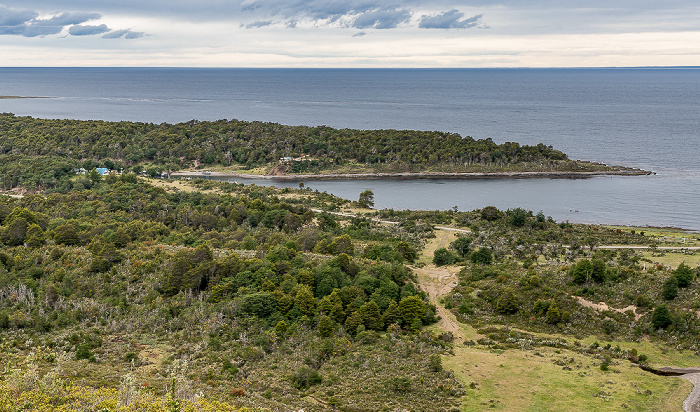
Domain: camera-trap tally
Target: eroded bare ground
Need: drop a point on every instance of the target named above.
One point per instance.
(602, 307)
(438, 282)
(692, 402)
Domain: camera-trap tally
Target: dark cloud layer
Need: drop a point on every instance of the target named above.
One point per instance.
(23, 22)
(86, 30)
(449, 20)
(381, 19)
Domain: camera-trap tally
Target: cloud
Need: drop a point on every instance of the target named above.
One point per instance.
(115, 34)
(24, 22)
(258, 24)
(12, 17)
(66, 19)
(449, 20)
(86, 30)
(381, 19)
(360, 34)
(134, 35)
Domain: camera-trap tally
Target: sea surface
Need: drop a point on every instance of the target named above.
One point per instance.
(641, 117)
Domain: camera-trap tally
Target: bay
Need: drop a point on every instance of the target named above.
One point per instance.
(642, 117)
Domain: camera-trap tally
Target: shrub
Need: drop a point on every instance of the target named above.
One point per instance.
(670, 289)
(483, 256)
(442, 257)
(683, 275)
(305, 378)
(435, 363)
(400, 384)
(83, 352)
(661, 318)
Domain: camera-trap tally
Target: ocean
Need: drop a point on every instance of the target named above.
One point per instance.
(639, 117)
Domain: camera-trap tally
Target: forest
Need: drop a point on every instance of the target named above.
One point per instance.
(53, 148)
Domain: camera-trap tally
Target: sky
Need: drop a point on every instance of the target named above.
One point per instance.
(349, 33)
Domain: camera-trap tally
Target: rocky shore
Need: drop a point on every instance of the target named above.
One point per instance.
(424, 175)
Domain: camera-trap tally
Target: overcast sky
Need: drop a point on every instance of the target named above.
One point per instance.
(350, 33)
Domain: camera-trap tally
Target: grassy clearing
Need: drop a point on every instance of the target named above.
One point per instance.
(548, 379)
(177, 185)
(674, 258)
(668, 236)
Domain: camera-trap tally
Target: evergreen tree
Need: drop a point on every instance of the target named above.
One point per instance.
(371, 317)
(661, 318)
(325, 326)
(353, 322)
(670, 288)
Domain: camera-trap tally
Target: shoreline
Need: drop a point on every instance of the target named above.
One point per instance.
(422, 175)
(23, 97)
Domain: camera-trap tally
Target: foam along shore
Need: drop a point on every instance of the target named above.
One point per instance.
(422, 175)
(23, 97)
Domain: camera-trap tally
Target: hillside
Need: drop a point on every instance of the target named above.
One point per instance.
(202, 292)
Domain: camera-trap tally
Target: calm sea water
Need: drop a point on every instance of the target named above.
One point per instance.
(647, 118)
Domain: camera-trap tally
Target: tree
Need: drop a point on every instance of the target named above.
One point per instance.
(519, 216)
(342, 244)
(16, 232)
(407, 251)
(483, 256)
(353, 322)
(684, 275)
(462, 245)
(661, 318)
(371, 317)
(443, 257)
(305, 301)
(411, 308)
(582, 271)
(490, 213)
(66, 235)
(392, 314)
(325, 326)
(598, 270)
(670, 288)
(553, 314)
(366, 199)
(507, 303)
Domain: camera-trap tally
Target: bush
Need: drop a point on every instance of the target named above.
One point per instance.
(442, 257)
(483, 256)
(661, 318)
(684, 275)
(83, 352)
(670, 289)
(305, 378)
(400, 384)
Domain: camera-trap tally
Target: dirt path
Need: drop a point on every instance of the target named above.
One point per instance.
(438, 282)
(692, 402)
(602, 306)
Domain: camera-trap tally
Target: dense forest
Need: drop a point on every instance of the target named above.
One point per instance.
(57, 146)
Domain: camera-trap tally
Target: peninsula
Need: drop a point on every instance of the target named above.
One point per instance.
(241, 148)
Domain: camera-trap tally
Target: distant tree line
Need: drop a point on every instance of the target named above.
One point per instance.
(253, 144)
